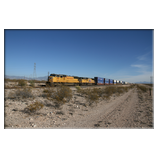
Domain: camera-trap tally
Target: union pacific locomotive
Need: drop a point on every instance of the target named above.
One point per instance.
(59, 79)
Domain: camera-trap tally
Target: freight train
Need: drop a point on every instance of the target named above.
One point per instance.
(59, 79)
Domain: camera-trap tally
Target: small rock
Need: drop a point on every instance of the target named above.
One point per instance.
(31, 119)
(15, 109)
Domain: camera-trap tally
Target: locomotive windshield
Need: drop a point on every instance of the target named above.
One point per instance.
(52, 75)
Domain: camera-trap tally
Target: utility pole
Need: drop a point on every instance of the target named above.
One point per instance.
(151, 79)
(34, 73)
(151, 85)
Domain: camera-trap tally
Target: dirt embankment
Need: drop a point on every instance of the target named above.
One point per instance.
(133, 109)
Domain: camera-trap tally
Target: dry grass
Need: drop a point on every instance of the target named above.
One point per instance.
(34, 107)
(142, 88)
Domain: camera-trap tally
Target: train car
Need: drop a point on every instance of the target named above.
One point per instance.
(99, 81)
(118, 82)
(115, 81)
(60, 79)
(123, 82)
(111, 82)
(57, 79)
(86, 81)
(107, 81)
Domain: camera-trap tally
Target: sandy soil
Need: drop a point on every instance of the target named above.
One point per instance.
(133, 109)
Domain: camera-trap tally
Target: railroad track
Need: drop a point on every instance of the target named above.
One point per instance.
(94, 86)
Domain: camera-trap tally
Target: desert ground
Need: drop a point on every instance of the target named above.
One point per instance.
(131, 108)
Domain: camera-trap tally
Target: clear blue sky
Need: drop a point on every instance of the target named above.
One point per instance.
(116, 54)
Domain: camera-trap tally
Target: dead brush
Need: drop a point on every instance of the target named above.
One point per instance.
(126, 89)
(32, 83)
(62, 95)
(119, 91)
(142, 88)
(107, 92)
(81, 91)
(22, 83)
(34, 107)
(48, 92)
(91, 96)
(21, 93)
(78, 89)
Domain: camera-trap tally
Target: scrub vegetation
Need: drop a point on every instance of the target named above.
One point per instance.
(93, 95)
(59, 106)
(34, 107)
(21, 94)
(142, 88)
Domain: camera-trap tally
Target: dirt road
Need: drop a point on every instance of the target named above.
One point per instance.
(133, 109)
(126, 111)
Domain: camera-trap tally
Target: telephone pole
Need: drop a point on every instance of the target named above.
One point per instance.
(151, 79)
(34, 73)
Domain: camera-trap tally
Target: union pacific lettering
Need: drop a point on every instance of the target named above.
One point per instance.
(69, 78)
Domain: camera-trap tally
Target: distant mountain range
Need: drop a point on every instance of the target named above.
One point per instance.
(144, 82)
(26, 78)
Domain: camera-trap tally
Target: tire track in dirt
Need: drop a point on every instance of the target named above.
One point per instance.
(136, 111)
(123, 115)
(113, 114)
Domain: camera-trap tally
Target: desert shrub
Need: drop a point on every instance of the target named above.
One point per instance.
(131, 86)
(34, 107)
(48, 92)
(62, 95)
(91, 95)
(22, 82)
(32, 83)
(22, 93)
(126, 89)
(108, 91)
(120, 90)
(143, 88)
(78, 89)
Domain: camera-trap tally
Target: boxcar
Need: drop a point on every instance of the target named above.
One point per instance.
(99, 80)
(111, 82)
(106, 81)
(115, 82)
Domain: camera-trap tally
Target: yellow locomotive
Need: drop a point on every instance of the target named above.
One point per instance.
(58, 79)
